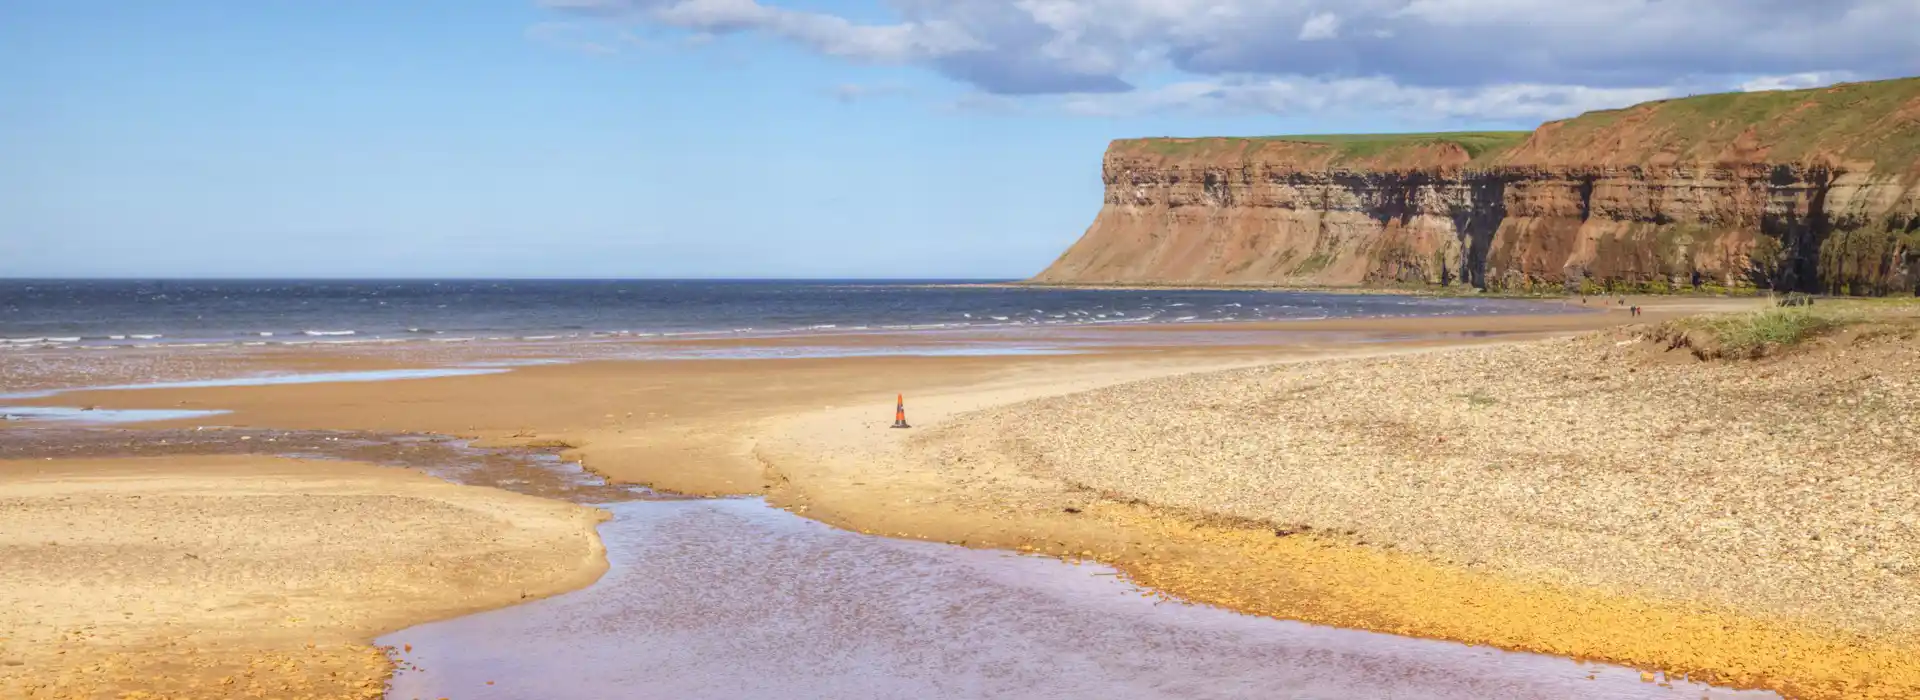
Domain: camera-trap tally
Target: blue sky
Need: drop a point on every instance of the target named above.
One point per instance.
(689, 138)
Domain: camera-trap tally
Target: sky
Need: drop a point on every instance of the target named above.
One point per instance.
(764, 138)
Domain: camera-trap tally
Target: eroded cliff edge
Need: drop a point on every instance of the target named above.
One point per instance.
(1810, 190)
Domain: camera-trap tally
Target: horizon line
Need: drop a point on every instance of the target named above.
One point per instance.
(130, 278)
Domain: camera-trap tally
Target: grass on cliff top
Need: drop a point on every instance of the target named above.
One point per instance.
(1479, 145)
(1876, 121)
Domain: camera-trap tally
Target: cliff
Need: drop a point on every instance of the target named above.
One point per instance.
(1811, 190)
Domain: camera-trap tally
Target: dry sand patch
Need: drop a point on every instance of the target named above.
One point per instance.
(248, 576)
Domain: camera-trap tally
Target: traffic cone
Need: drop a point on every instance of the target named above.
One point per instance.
(900, 412)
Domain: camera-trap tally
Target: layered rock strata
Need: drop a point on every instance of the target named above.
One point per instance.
(1812, 190)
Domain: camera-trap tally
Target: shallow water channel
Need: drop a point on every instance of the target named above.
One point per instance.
(730, 598)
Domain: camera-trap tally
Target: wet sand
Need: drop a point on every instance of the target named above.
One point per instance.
(810, 433)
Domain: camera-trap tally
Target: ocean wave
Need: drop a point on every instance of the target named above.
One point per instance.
(326, 332)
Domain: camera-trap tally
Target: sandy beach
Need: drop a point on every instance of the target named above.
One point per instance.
(247, 576)
(1481, 479)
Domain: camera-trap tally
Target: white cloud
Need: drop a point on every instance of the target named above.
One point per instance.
(1301, 95)
(1480, 48)
(1320, 26)
(854, 92)
(1795, 81)
(582, 38)
(828, 34)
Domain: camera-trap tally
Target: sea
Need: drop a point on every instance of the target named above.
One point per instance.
(92, 313)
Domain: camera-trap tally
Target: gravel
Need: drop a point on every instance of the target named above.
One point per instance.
(1788, 486)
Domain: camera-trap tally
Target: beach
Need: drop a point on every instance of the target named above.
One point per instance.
(1409, 476)
(249, 576)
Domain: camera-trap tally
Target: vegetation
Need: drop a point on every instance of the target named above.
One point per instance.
(1316, 262)
(1757, 333)
(1349, 148)
(1849, 122)
(1479, 399)
(1479, 145)
(1859, 261)
(1846, 123)
(1760, 333)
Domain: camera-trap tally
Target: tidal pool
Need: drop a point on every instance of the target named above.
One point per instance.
(733, 599)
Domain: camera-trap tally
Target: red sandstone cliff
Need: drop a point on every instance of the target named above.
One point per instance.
(1815, 190)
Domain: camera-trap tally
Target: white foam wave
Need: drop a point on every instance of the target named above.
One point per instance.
(326, 332)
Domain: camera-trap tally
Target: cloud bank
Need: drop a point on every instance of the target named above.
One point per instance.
(1486, 59)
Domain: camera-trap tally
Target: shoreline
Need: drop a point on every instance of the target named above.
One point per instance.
(815, 443)
(36, 373)
(351, 334)
(1456, 292)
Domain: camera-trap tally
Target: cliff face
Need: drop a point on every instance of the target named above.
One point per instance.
(1813, 190)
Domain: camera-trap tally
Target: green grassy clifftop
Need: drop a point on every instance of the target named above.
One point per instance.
(1872, 124)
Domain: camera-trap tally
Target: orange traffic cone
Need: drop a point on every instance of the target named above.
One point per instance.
(900, 412)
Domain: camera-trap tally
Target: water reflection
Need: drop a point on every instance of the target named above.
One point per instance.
(732, 599)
